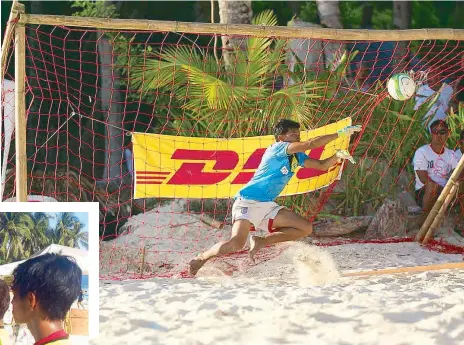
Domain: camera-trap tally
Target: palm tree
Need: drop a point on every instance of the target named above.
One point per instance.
(68, 231)
(402, 16)
(244, 100)
(329, 15)
(40, 239)
(233, 12)
(15, 235)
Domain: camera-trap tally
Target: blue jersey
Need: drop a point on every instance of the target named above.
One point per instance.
(275, 170)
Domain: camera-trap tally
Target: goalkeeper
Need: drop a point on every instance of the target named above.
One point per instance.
(254, 204)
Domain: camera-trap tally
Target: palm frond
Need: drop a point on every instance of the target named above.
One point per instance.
(295, 102)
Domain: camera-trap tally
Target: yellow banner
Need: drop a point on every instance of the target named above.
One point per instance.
(182, 167)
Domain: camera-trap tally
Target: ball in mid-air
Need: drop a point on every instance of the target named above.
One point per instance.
(401, 86)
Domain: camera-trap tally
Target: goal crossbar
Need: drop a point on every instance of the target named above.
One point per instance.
(242, 29)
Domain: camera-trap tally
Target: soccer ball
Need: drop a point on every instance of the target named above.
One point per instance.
(401, 87)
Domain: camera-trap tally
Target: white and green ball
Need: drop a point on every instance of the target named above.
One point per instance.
(401, 87)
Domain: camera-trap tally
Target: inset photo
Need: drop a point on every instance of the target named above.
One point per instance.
(48, 273)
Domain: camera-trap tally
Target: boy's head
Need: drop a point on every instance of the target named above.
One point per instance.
(45, 286)
(287, 130)
(440, 132)
(4, 299)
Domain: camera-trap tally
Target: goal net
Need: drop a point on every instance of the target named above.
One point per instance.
(163, 127)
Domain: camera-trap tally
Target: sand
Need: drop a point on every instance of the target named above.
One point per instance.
(297, 296)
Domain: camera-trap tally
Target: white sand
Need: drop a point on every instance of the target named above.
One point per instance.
(296, 297)
(172, 236)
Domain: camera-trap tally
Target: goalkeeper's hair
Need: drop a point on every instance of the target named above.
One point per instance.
(283, 126)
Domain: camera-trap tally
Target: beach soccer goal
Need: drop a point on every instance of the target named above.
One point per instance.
(163, 122)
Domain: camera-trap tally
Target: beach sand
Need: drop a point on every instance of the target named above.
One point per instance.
(296, 296)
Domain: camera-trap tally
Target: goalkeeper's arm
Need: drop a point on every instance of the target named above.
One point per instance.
(326, 164)
(312, 143)
(323, 164)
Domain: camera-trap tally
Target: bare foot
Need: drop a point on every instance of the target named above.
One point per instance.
(195, 265)
(256, 243)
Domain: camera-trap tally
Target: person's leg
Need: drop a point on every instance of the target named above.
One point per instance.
(290, 227)
(431, 193)
(240, 231)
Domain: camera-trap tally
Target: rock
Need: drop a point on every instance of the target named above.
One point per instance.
(390, 221)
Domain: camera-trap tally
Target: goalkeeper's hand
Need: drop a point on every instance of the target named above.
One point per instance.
(344, 154)
(349, 130)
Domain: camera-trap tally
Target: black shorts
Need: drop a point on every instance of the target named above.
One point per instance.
(420, 196)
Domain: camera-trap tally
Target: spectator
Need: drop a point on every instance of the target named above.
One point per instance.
(44, 288)
(433, 164)
(4, 304)
(427, 90)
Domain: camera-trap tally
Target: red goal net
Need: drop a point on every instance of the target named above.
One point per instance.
(163, 128)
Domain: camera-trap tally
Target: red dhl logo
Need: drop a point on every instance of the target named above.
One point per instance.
(192, 173)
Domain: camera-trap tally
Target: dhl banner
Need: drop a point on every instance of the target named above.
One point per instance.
(183, 167)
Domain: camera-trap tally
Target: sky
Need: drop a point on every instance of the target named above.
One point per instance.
(83, 218)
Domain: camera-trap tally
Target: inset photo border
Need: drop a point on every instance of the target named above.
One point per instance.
(44, 228)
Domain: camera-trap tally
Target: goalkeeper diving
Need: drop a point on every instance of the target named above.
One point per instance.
(254, 204)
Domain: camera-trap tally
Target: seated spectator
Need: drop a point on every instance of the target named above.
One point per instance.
(44, 288)
(433, 165)
(427, 90)
(4, 305)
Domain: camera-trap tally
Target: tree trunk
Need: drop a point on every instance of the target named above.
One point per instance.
(329, 15)
(307, 50)
(402, 11)
(329, 228)
(111, 108)
(233, 12)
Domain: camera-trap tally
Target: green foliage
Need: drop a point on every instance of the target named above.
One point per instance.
(24, 233)
(100, 9)
(15, 234)
(455, 122)
(362, 187)
(424, 14)
(223, 102)
(395, 131)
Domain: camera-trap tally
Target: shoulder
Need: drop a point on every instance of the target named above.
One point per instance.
(451, 153)
(448, 89)
(423, 149)
(278, 147)
(424, 89)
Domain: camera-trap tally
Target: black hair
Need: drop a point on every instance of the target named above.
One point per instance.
(54, 279)
(4, 298)
(462, 135)
(283, 126)
(437, 123)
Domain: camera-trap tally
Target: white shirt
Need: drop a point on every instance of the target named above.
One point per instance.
(439, 108)
(458, 154)
(438, 166)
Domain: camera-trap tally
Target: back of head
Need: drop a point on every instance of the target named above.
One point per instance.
(54, 279)
(4, 298)
(283, 126)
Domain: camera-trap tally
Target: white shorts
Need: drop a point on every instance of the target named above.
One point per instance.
(260, 214)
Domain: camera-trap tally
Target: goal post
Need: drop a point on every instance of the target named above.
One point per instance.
(103, 107)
